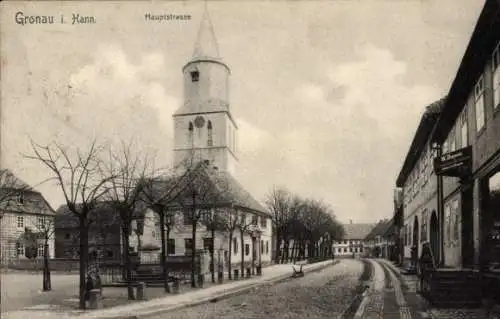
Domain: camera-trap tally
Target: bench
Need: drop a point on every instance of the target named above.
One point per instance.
(297, 271)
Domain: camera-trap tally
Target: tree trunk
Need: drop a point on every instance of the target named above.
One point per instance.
(47, 286)
(126, 254)
(229, 268)
(164, 252)
(193, 254)
(84, 247)
(277, 247)
(242, 266)
(212, 254)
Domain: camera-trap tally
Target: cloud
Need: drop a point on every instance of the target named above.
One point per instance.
(357, 141)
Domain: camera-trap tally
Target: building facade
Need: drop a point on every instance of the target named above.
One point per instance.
(27, 210)
(417, 183)
(469, 130)
(353, 240)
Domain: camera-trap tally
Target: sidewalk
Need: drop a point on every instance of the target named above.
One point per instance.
(170, 302)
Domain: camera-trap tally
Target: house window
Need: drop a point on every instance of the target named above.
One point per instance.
(171, 246)
(479, 104)
(255, 219)
(267, 247)
(464, 131)
(453, 144)
(261, 247)
(445, 147)
(210, 141)
(190, 127)
(67, 236)
(350, 249)
(496, 77)
(188, 220)
(247, 249)
(339, 250)
(20, 249)
(235, 245)
(360, 249)
(207, 243)
(20, 198)
(263, 222)
(41, 250)
(41, 222)
(188, 246)
(20, 221)
(153, 234)
(345, 250)
(195, 76)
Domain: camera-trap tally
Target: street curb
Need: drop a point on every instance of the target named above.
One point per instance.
(367, 283)
(221, 296)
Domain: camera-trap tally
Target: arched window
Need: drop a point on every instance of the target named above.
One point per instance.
(210, 141)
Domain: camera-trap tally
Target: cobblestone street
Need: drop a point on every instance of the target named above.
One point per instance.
(323, 294)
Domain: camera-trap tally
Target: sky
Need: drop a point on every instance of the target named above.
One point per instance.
(327, 95)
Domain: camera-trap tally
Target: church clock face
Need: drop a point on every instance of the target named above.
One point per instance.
(199, 121)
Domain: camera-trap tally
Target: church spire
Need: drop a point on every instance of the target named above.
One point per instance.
(206, 45)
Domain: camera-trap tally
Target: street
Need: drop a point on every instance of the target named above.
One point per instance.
(323, 294)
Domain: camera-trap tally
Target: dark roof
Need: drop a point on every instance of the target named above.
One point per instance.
(481, 45)
(102, 213)
(420, 139)
(357, 231)
(215, 188)
(381, 229)
(11, 186)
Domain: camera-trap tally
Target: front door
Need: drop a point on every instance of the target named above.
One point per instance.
(467, 229)
(434, 237)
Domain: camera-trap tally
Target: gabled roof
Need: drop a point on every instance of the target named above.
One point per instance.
(381, 229)
(420, 139)
(214, 188)
(102, 213)
(11, 186)
(357, 231)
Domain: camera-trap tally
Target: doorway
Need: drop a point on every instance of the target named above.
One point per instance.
(467, 227)
(434, 236)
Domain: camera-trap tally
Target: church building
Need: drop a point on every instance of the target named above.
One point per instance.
(205, 141)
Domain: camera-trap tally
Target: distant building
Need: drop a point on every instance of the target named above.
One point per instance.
(380, 242)
(27, 209)
(353, 240)
(104, 233)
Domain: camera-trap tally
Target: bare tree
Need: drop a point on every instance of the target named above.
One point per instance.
(228, 223)
(125, 173)
(159, 194)
(78, 175)
(278, 203)
(202, 190)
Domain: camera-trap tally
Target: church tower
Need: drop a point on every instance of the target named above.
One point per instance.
(204, 128)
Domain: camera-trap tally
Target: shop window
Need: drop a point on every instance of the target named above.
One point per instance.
(447, 216)
(493, 202)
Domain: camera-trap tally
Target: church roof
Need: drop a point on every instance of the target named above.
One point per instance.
(206, 46)
(215, 188)
(208, 106)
